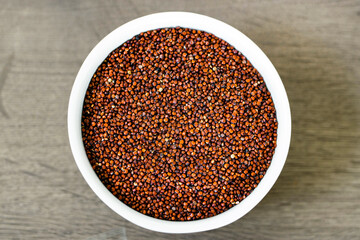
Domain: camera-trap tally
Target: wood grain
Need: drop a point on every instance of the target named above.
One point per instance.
(313, 44)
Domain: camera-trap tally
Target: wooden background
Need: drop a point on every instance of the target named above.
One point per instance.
(315, 46)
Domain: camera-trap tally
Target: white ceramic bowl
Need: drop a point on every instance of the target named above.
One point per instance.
(233, 37)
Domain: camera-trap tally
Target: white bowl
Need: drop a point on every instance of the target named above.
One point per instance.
(233, 37)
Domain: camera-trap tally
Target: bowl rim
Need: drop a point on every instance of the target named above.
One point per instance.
(222, 30)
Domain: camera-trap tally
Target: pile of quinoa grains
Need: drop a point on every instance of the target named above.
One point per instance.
(178, 124)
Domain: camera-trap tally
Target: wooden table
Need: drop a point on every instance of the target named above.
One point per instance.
(315, 46)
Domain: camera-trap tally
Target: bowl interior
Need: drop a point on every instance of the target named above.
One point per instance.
(233, 37)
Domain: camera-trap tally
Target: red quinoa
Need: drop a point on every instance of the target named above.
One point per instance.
(178, 124)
